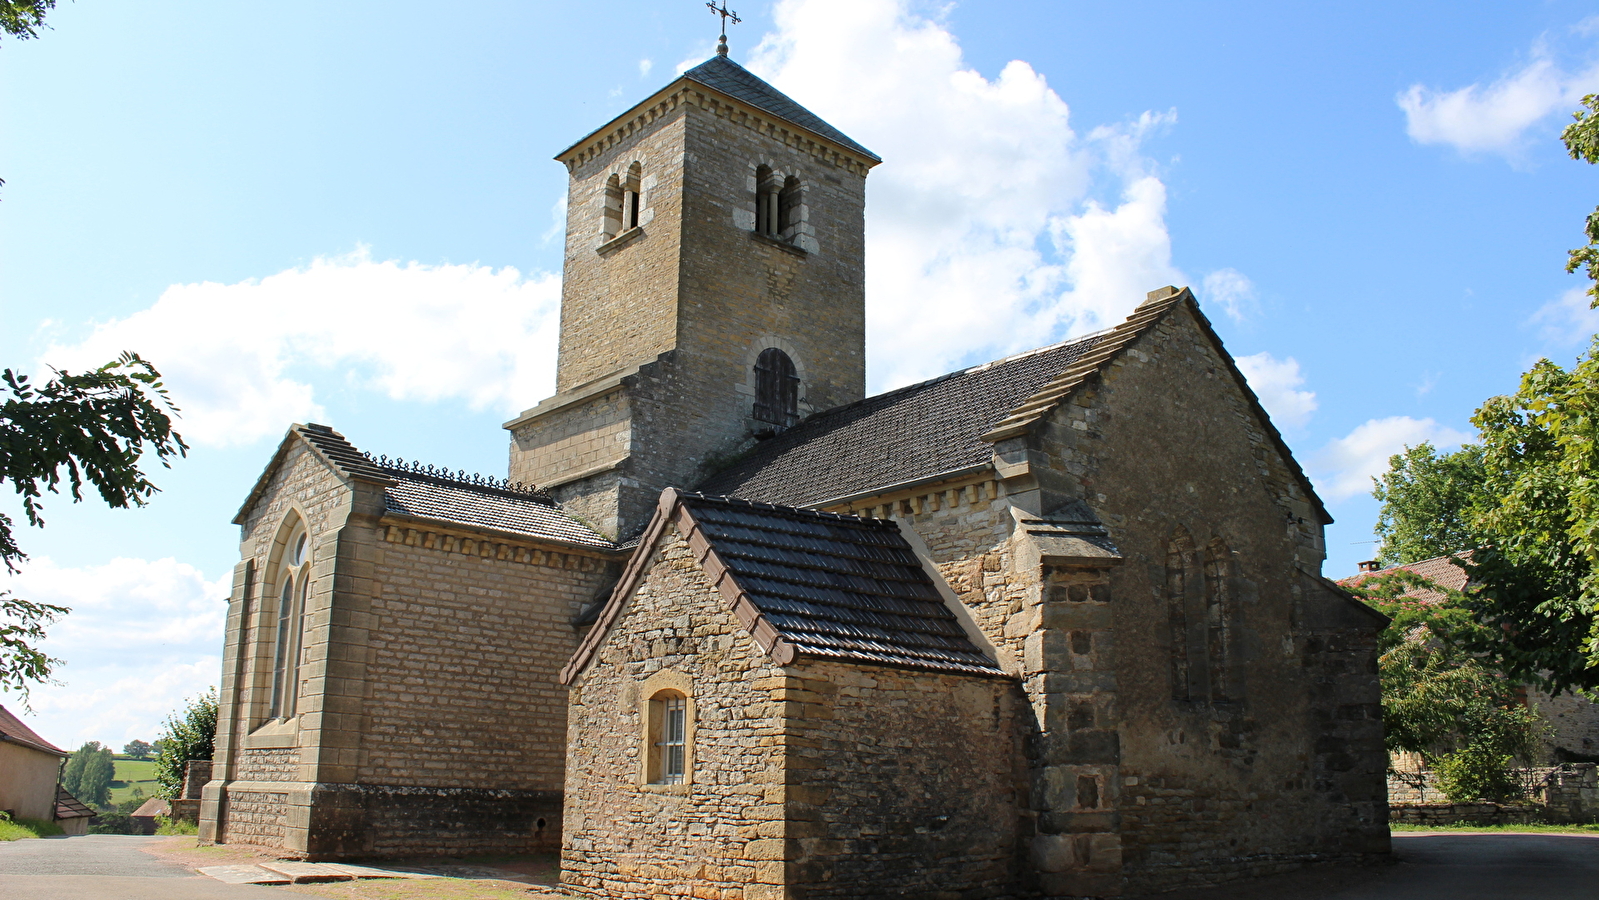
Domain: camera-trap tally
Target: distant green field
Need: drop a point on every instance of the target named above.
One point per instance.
(131, 774)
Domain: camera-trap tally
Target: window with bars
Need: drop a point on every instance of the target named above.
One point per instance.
(669, 733)
(776, 389)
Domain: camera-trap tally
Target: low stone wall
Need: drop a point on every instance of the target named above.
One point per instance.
(1560, 794)
(1480, 813)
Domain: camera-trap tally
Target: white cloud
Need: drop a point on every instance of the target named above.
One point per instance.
(1495, 118)
(1231, 290)
(1276, 382)
(1568, 319)
(644, 67)
(239, 357)
(1346, 466)
(141, 638)
(993, 225)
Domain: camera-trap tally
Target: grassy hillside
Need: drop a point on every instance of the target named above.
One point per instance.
(131, 774)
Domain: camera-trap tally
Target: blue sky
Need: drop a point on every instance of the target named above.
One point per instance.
(348, 213)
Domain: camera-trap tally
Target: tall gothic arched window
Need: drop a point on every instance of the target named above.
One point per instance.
(776, 389)
(293, 583)
(1218, 620)
(1181, 573)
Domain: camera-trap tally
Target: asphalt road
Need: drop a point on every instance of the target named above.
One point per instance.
(1443, 867)
(107, 867)
(1427, 867)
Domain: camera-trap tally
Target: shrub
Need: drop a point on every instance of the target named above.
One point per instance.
(164, 825)
(189, 735)
(1478, 773)
(114, 823)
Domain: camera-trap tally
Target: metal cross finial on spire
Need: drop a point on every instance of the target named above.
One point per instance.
(727, 15)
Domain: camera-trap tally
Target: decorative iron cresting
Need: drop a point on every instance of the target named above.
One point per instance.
(416, 468)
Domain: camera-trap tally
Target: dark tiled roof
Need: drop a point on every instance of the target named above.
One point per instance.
(809, 584)
(70, 807)
(836, 586)
(904, 435)
(14, 732)
(341, 452)
(737, 82)
(463, 502)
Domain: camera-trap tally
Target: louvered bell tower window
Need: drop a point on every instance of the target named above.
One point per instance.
(776, 389)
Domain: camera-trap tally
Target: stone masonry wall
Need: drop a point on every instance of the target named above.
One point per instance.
(901, 783)
(467, 632)
(1270, 750)
(721, 835)
(618, 301)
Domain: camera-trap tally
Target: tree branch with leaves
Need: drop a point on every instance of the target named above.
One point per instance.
(89, 430)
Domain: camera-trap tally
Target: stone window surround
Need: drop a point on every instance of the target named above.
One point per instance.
(273, 732)
(650, 713)
(746, 389)
(623, 187)
(800, 233)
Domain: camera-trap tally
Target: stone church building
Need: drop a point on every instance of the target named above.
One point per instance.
(1050, 626)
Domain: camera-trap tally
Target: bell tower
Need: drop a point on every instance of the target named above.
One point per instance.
(713, 292)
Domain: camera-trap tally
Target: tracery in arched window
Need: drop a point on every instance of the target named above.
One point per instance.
(294, 578)
(776, 389)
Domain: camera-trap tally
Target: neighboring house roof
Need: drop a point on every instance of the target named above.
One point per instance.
(1440, 570)
(807, 584)
(70, 807)
(438, 495)
(732, 79)
(949, 424)
(151, 808)
(14, 732)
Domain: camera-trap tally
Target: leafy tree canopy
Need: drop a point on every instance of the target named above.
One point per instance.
(1538, 571)
(1582, 142)
(88, 429)
(1428, 502)
(22, 19)
(1439, 701)
(136, 749)
(190, 734)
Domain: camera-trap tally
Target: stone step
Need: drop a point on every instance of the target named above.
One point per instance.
(307, 873)
(249, 874)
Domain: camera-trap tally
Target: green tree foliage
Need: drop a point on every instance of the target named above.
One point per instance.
(190, 734)
(1428, 501)
(136, 750)
(98, 772)
(22, 624)
(87, 429)
(1439, 701)
(1582, 142)
(72, 774)
(22, 19)
(1538, 571)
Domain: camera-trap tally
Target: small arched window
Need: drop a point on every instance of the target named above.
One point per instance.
(767, 190)
(632, 188)
(668, 738)
(294, 582)
(776, 389)
(789, 202)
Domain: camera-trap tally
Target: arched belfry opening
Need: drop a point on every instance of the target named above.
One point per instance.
(776, 389)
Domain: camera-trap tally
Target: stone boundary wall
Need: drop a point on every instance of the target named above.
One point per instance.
(1480, 813)
(1561, 794)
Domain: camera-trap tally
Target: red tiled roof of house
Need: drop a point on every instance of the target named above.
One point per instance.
(151, 808)
(1440, 570)
(12, 730)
